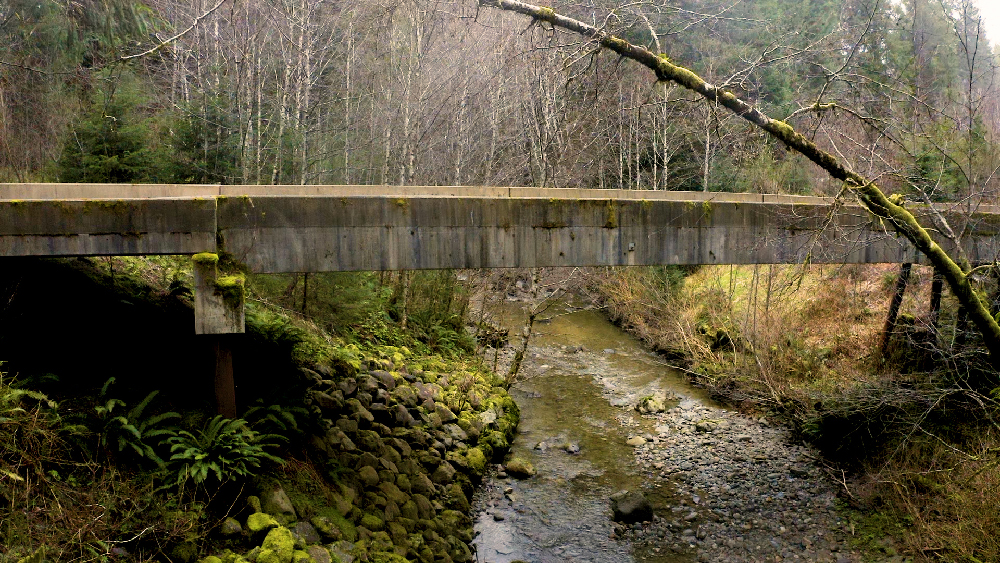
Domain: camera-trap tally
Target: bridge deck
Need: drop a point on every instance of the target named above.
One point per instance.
(337, 228)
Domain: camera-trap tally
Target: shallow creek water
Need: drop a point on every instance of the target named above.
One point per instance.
(577, 374)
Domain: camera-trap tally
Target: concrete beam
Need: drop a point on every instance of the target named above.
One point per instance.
(317, 233)
(107, 227)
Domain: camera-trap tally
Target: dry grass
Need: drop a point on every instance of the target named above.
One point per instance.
(792, 331)
(805, 343)
(944, 494)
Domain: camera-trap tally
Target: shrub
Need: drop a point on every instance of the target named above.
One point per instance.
(225, 449)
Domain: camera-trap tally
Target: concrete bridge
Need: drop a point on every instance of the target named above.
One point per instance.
(341, 228)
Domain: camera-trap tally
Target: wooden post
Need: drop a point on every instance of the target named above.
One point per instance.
(897, 300)
(219, 313)
(225, 384)
(935, 310)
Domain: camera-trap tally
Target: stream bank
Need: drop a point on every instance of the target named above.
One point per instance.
(724, 487)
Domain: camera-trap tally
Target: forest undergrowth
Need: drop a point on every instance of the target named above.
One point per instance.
(911, 435)
(108, 447)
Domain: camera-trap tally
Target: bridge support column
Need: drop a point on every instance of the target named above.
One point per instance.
(218, 314)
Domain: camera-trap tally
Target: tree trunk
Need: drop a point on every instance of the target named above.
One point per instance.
(867, 192)
(897, 300)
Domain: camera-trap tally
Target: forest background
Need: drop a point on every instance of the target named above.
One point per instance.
(436, 93)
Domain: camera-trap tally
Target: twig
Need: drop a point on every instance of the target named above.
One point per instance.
(170, 40)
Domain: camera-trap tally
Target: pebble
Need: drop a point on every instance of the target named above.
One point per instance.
(747, 492)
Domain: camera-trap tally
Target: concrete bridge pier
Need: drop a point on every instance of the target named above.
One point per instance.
(219, 315)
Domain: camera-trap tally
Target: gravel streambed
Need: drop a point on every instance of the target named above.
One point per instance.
(746, 492)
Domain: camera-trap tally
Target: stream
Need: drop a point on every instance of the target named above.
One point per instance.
(723, 487)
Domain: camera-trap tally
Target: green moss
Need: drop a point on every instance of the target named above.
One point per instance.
(337, 520)
(386, 557)
(231, 289)
(402, 203)
(205, 259)
(372, 522)
(210, 559)
(261, 521)
(300, 556)
(476, 459)
(547, 12)
(612, 217)
(119, 206)
(706, 209)
(278, 546)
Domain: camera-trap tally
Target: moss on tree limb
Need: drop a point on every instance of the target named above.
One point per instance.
(868, 194)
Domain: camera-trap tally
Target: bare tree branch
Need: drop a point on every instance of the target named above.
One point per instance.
(170, 40)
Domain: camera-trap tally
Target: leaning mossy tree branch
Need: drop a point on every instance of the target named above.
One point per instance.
(867, 193)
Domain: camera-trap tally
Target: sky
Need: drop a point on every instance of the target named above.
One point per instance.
(990, 10)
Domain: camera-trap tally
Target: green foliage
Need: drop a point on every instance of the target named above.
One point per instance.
(224, 450)
(277, 420)
(112, 141)
(132, 431)
(206, 148)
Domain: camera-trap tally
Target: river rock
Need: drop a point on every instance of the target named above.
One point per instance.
(348, 386)
(520, 468)
(630, 506)
(385, 379)
(327, 530)
(706, 425)
(636, 441)
(650, 405)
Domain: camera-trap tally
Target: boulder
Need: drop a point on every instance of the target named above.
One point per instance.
(706, 425)
(445, 413)
(444, 473)
(275, 502)
(261, 522)
(650, 405)
(636, 441)
(278, 547)
(385, 379)
(327, 529)
(231, 527)
(319, 554)
(368, 476)
(328, 402)
(520, 468)
(630, 506)
(348, 387)
(307, 532)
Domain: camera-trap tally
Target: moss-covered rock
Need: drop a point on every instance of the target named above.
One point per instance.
(368, 476)
(260, 522)
(476, 461)
(520, 468)
(275, 502)
(372, 522)
(278, 546)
